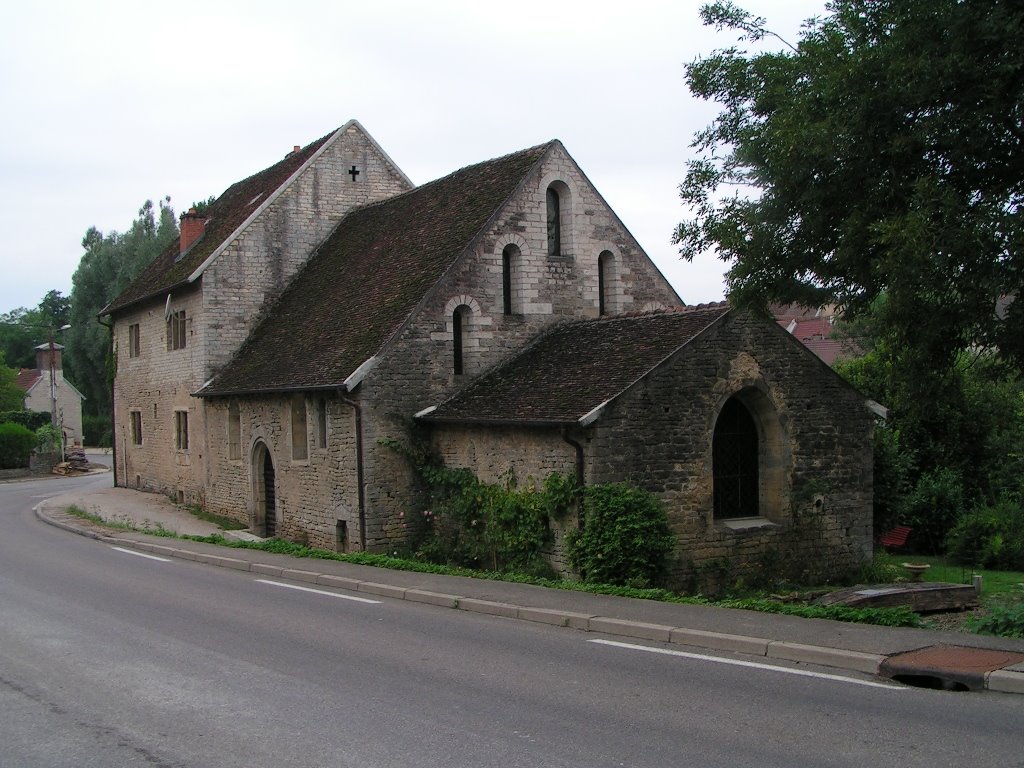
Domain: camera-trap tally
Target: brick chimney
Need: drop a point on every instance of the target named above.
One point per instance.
(45, 357)
(193, 224)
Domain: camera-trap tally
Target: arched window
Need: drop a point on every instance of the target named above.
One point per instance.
(554, 222)
(460, 326)
(509, 265)
(735, 452)
(605, 282)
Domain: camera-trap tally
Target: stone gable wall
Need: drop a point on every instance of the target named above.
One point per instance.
(221, 311)
(816, 501)
(256, 267)
(69, 405)
(658, 435)
(417, 369)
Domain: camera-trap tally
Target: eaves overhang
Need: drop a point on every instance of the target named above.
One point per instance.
(243, 392)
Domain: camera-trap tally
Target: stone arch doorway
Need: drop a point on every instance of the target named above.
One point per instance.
(264, 491)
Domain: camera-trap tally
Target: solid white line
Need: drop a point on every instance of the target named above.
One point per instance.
(142, 554)
(319, 592)
(754, 664)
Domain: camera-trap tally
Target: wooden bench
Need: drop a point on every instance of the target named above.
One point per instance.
(895, 538)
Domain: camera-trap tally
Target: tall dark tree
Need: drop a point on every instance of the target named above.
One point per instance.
(884, 153)
(11, 397)
(21, 330)
(109, 264)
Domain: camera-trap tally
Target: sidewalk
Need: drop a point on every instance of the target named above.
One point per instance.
(947, 659)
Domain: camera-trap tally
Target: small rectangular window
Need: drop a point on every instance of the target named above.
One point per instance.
(234, 432)
(136, 424)
(176, 330)
(321, 423)
(181, 430)
(134, 342)
(299, 434)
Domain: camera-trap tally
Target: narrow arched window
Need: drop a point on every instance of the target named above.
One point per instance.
(735, 450)
(605, 270)
(460, 325)
(554, 223)
(509, 265)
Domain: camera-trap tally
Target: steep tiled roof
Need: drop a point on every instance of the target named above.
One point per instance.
(225, 215)
(26, 378)
(362, 283)
(817, 334)
(576, 367)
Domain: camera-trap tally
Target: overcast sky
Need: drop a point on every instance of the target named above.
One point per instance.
(108, 104)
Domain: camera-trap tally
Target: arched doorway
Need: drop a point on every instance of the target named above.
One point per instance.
(264, 492)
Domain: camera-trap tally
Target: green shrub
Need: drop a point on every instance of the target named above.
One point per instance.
(96, 430)
(29, 419)
(1003, 619)
(47, 439)
(16, 445)
(625, 538)
(933, 508)
(891, 473)
(990, 537)
(495, 526)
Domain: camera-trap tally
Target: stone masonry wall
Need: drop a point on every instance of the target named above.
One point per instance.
(222, 309)
(158, 383)
(69, 405)
(528, 455)
(256, 267)
(417, 370)
(313, 494)
(816, 484)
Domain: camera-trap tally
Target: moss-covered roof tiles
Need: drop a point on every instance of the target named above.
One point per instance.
(225, 215)
(576, 367)
(364, 281)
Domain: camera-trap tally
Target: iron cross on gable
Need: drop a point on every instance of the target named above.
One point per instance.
(353, 172)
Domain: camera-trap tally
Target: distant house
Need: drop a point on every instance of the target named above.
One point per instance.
(815, 329)
(41, 396)
(326, 307)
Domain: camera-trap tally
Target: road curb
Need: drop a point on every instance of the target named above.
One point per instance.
(1004, 681)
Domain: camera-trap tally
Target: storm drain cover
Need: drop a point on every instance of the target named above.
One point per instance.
(949, 667)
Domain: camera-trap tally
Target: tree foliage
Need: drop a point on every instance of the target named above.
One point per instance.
(109, 264)
(11, 396)
(22, 329)
(882, 154)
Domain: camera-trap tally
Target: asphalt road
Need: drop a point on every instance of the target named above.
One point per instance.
(109, 658)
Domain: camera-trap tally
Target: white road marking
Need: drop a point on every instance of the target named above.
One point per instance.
(319, 592)
(142, 554)
(754, 664)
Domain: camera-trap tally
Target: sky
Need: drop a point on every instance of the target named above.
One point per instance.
(111, 103)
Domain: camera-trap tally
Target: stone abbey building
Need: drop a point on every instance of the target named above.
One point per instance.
(326, 306)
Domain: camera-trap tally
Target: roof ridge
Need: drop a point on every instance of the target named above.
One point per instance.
(426, 186)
